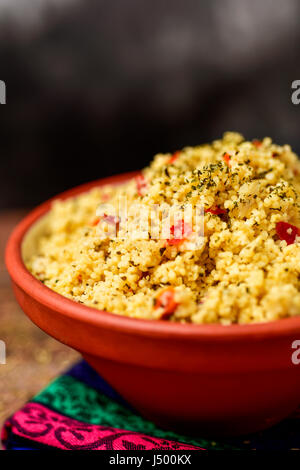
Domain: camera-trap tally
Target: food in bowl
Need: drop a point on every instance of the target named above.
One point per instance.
(246, 268)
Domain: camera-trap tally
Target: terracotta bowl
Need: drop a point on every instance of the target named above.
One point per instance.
(208, 379)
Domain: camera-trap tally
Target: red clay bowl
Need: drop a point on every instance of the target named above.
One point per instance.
(210, 379)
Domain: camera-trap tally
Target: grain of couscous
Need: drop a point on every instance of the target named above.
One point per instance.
(247, 268)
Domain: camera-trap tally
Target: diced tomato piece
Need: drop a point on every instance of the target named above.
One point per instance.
(141, 184)
(287, 232)
(216, 210)
(174, 157)
(166, 301)
(227, 158)
(174, 241)
(111, 219)
(181, 228)
(95, 222)
(257, 143)
(180, 232)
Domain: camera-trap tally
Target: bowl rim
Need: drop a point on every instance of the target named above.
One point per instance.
(153, 328)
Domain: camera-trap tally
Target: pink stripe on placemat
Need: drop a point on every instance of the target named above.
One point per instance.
(37, 423)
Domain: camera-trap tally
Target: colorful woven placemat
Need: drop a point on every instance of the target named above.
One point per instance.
(80, 411)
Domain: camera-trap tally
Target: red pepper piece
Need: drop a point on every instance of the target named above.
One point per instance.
(141, 184)
(166, 301)
(216, 210)
(287, 232)
(174, 157)
(95, 222)
(179, 231)
(257, 143)
(227, 158)
(111, 219)
(174, 241)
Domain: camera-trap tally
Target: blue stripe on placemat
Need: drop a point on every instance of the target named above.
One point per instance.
(83, 372)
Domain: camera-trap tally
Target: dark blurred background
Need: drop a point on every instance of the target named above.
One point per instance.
(96, 87)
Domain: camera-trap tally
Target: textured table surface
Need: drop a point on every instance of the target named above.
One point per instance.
(33, 358)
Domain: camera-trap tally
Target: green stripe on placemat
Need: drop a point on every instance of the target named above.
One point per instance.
(76, 400)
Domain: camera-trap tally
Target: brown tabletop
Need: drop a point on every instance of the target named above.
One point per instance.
(33, 358)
